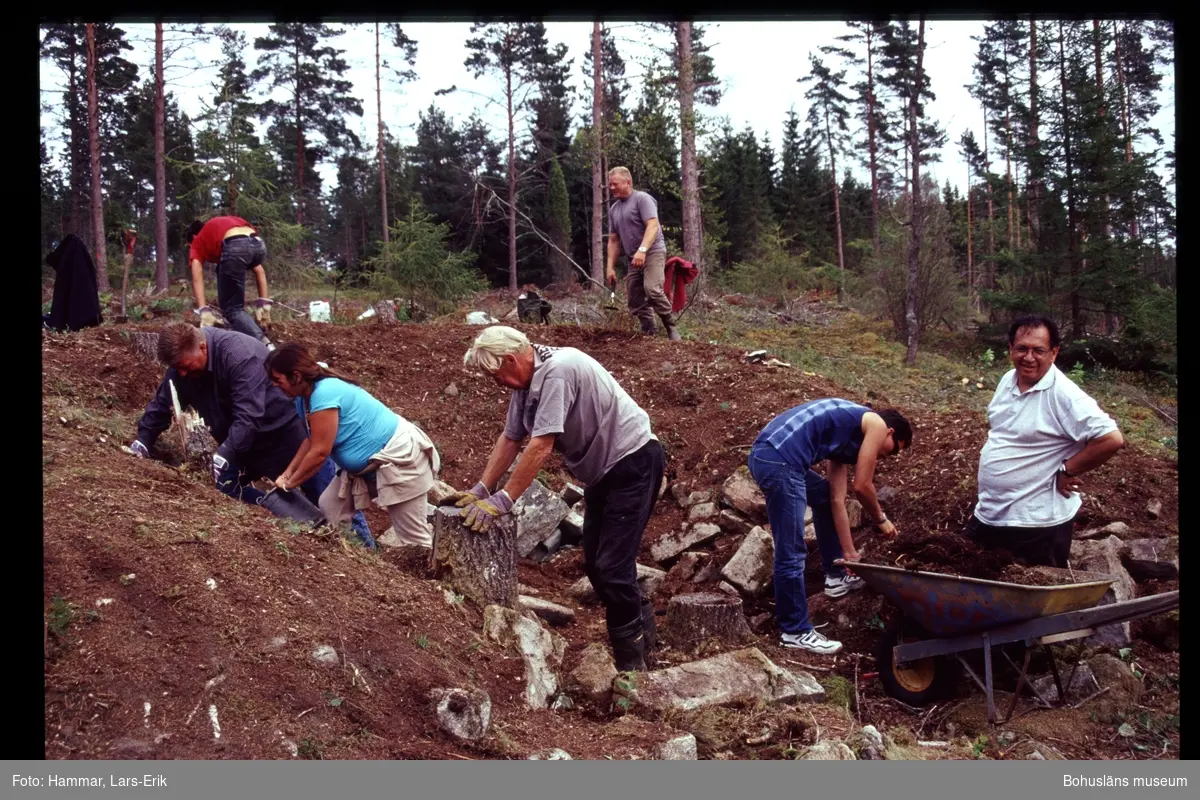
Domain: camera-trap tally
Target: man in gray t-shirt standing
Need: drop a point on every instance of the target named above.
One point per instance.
(564, 400)
(634, 229)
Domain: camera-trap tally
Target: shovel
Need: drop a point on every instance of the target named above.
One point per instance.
(290, 504)
(611, 305)
(130, 238)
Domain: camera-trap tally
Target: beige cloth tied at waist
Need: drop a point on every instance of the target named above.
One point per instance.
(405, 468)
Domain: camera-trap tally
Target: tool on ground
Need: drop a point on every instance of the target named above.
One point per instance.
(291, 504)
(179, 421)
(612, 295)
(130, 238)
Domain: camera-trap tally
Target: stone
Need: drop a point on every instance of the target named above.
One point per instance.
(552, 613)
(324, 654)
(1154, 508)
(562, 702)
(1118, 529)
(1152, 559)
(480, 318)
(886, 494)
(686, 567)
(648, 578)
(389, 538)
(854, 510)
(450, 391)
(1082, 684)
(672, 544)
(734, 678)
(541, 650)
(702, 511)
(547, 548)
(870, 744)
(594, 674)
(732, 522)
(729, 589)
(680, 492)
(1103, 556)
(752, 567)
(741, 492)
(553, 754)
(440, 492)
(1124, 688)
(538, 511)
(464, 714)
(810, 534)
(572, 527)
(699, 498)
(829, 751)
(572, 494)
(681, 748)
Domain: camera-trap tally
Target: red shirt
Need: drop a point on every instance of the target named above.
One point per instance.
(207, 244)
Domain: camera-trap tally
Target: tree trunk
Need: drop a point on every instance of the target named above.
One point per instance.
(98, 244)
(480, 567)
(75, 210)
(1125, 123)
(1072, 221)
(914, 247)
(1008, 179)
(972, 288)
(597, 248)
(144, 345)
(693, 620)
(160, 168)
(837, 206)
(299, 142)
(872, 145)
(512, 186)
(383, 204)
(1102, 173)
(687, 126)
(1034, 172)
(987, 176)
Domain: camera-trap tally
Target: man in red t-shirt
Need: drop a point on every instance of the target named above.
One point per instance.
(233, 244)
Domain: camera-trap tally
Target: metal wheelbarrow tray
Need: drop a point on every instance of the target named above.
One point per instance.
(962, 614)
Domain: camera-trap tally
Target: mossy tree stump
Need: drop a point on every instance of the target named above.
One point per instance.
(695, 619)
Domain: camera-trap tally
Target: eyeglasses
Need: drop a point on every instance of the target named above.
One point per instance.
(1039, 352)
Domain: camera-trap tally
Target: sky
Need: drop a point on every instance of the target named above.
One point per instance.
(758, 64)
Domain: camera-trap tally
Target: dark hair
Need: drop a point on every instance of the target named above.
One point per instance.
(177, 340)
(294, 357)
(901, 426)
(194, 229)
(1034, 321)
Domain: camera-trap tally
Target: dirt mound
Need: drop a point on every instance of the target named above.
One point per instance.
(163, 599)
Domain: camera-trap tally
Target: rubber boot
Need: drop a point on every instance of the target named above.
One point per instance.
(669, 324)
(647, 326)
(629, 646)
(292, 505)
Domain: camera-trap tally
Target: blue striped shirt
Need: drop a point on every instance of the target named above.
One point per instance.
(830, 428)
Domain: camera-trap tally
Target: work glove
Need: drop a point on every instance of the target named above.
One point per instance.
(483, 513)
(463, 499)
(138, 449)
(225, 476)
(262, 310)
(207, 318)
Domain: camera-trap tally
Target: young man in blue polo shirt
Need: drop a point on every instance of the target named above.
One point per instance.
(846, 434)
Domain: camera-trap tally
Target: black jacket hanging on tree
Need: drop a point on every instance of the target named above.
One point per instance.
(76, 302)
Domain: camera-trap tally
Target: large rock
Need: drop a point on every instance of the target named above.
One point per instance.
(648, 578)
(594, 674)
(541, 650)
(870, 745)
(572, 527)
(572, 494)
(681, 748)
(1152, 559)
(854, 511)
(440, 492)
(699, 498)
(741, 492)
(733, 522)
(1083, 683)
(739, 677)
(1103, 556)
(553, 754)
(1124, 688)
(752, 566)
(552, 613)
(1118, 529)
(701, 512)
(686, 568)
(538, 512)
(672, 544)
(462, 714)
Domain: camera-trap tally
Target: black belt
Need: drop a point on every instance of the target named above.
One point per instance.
(241, 236)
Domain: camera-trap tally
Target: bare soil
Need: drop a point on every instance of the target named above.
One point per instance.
(164, 601)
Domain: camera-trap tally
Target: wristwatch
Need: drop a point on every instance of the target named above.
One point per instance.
(1063, 470)
(642, 249)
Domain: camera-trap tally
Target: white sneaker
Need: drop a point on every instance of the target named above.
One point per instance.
(811, 641)
(838, 587)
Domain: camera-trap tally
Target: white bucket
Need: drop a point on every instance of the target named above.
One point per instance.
(318, 311)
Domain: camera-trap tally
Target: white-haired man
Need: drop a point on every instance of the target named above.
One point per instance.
(634, 229)
(563, 399)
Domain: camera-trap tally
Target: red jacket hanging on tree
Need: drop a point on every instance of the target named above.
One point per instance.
(677, 274)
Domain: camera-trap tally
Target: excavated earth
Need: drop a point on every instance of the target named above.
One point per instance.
(166, 605)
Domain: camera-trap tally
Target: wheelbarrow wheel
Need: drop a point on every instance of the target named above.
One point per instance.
(916, 683)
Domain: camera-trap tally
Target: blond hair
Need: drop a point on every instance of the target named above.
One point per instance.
(621, 172)
(492, 345)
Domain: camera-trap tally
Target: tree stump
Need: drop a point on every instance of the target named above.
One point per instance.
(144, 345)
(200, 445)
(694, 619)
(481, 567)
(385, 312)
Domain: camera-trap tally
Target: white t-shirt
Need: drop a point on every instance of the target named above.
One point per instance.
(1032, 434)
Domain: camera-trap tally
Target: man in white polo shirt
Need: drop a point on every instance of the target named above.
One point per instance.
(1045, 433)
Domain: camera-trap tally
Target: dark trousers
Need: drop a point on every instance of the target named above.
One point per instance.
(239, 255)
(617, 509)
(1048, 547)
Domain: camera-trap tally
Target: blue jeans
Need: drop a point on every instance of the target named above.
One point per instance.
(788, 491)
(239, 255)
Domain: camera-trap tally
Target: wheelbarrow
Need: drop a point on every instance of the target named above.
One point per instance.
(949, 615)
